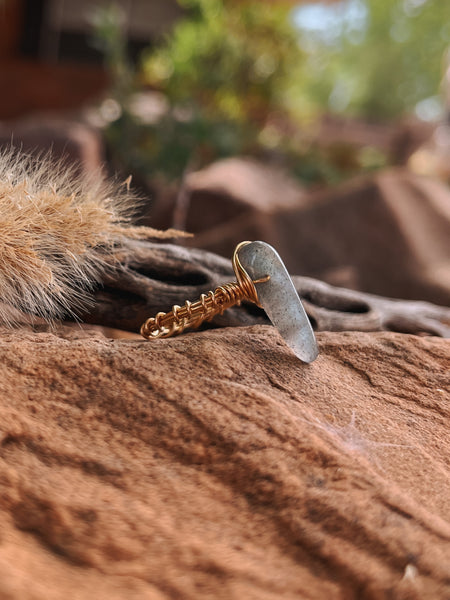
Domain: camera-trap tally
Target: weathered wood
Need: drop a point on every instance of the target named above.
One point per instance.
(148, 277)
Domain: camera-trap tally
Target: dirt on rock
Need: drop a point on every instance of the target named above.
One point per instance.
(217, 466)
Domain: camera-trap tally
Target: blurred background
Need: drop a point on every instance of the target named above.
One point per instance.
(320, 127)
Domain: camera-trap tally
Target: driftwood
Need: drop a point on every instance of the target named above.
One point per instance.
(148, 277)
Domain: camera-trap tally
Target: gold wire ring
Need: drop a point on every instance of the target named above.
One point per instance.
(193, 314)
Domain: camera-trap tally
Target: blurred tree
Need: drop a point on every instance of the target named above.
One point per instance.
(223, 71)
(246, 77)
(375, 59)
(232, 61)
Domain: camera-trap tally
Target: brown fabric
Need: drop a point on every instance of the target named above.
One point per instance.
(217, 466)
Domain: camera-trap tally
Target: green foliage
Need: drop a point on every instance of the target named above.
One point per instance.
(224, 71)
(382, 59)
(232, 62)
(241, 78)
(108, 25)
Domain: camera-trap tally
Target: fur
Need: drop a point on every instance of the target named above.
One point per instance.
(58, 232)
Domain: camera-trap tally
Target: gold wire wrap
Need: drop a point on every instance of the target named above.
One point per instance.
(193, 314)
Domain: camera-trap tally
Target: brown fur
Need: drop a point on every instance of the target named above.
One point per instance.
(57, 232)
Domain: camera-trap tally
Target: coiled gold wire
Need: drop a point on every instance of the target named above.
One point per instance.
(193, 314)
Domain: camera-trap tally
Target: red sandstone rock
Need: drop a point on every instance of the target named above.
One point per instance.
(227, 198)
(77, 144)
(387, 234)
(217, 466)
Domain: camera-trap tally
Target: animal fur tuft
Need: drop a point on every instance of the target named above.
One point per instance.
(58, 232)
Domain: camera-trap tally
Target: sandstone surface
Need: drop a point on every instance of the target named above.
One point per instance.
(76, 144)
(217, 466)
(386, 234)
